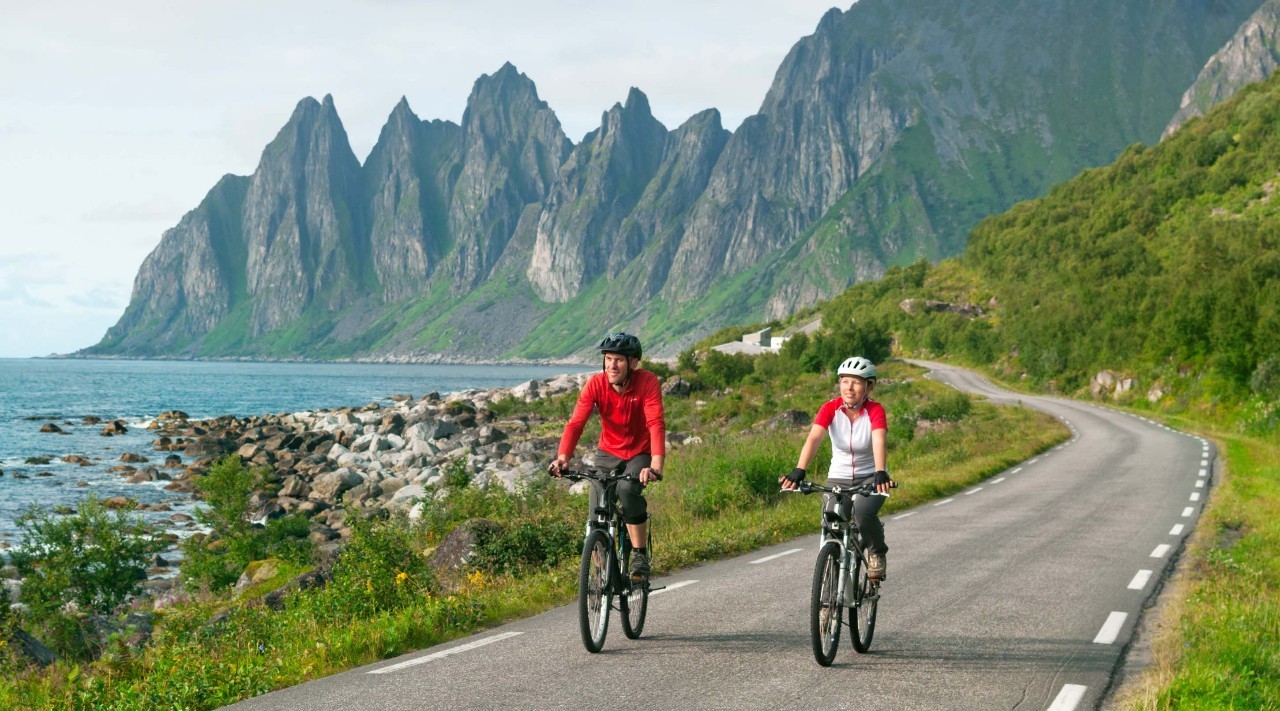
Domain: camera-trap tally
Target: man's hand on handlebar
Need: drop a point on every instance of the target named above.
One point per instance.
(557, 466)
(648, 475)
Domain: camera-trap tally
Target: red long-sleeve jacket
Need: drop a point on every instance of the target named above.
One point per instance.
(632, 421)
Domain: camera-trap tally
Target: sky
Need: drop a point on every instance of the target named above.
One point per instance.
(117, 117)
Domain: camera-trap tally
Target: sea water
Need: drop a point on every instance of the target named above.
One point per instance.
(35, 392)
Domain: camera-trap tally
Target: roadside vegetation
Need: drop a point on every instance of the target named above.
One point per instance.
(1151, 285)
(384, 597)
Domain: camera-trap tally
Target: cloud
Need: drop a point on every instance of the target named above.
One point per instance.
(156, 209)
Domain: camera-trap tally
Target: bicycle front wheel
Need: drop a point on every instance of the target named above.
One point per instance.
(862, 613)
(635, 603)
(825, 611)
(594, 595)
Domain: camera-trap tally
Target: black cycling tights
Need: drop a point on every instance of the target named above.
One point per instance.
(635, 510)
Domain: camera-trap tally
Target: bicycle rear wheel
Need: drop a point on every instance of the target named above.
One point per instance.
(594, 595)
(825, 612)
(635, 604)
(862, 614)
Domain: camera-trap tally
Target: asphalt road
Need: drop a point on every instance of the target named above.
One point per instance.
(1020, 593)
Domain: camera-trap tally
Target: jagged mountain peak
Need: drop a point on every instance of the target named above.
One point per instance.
(887, 133)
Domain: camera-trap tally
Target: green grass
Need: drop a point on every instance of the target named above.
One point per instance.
(1219, 646)
(720, 498)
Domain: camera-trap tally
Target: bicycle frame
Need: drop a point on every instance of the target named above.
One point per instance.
(844, 532)
(605, 548)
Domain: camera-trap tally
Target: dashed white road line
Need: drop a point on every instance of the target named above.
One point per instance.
(1195, 496)
(1187, 512)
(1068, 698)
(775, 555)
(1204, 462)
(672, 586)
(1203, 472)
(997, 480)
(1140, 580)
(944, 501)
(973, 491)
(1160, 550)
(909, 513)
(1033, 461)
(438, 655)
(1111, 628)
(1176, 530)
(1015, 471)
(1200, 483)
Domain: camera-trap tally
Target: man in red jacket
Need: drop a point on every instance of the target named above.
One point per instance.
(633, 436)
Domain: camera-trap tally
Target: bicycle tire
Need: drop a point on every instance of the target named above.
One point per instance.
(594, 590)
(862, 614)
(825, 611)
(635, 604)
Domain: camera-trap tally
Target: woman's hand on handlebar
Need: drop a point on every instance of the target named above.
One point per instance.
(792, 480)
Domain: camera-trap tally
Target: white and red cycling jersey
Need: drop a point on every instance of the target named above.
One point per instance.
(851, 456)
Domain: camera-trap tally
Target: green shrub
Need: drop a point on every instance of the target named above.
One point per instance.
(455, 475)
(951, 407)
(95, 558)
(723, 370)
(380, 569)
(535, 543)
(233, 542)
(662, 370)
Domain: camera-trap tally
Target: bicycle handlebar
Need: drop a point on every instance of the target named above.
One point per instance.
(868, 489)
(579, 475)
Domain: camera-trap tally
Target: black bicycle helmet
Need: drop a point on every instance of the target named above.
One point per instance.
(621, 343)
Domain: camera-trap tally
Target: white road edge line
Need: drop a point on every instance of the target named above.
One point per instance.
(1199, 483)
(1203, 472)
(997, 480)
(1204, 462)
(1195, 496)
(1111, 628)
(1176, 530)
(1140, 580)
(775, 555)
(944, 501)
(895, 518)
(673, 586)
(1187, 512)
(1160, 550)
(438, 655)
(1068, 698)
(973, 491)
(1015, 471)
(1033, 461)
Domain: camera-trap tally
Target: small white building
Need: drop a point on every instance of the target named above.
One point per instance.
(754, 343)
(763, 341)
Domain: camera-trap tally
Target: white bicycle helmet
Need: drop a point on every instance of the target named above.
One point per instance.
(858, 366)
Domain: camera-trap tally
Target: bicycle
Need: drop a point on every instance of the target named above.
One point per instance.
(606, 553)
(840, 576)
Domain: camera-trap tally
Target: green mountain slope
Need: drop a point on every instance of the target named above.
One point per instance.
(1163, 267)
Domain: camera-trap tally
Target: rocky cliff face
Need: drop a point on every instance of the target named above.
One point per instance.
(302, 220)
(886, 136)
(189, 283)
(1251, 55)
(512, 150)
(405, 199)
(579, 236)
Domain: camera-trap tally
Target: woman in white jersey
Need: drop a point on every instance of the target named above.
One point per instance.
(857, 427)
